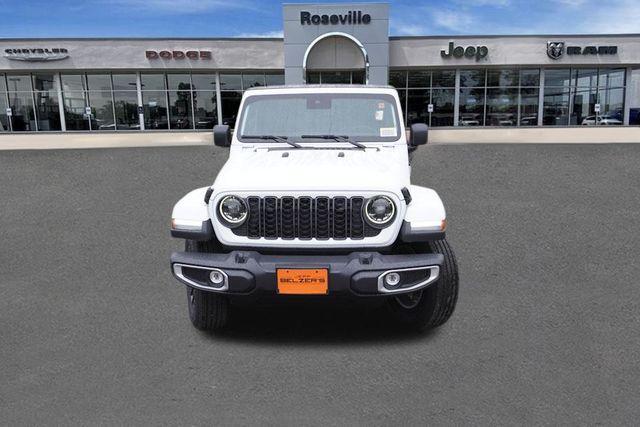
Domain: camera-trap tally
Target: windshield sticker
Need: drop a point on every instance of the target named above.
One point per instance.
(379, 115)
(387, 132)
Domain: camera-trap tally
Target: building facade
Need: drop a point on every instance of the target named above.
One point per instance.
(189, 85)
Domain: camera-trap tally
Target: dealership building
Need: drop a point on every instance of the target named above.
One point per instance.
(532, 88)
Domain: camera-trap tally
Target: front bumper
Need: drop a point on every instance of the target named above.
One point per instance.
(356, 273)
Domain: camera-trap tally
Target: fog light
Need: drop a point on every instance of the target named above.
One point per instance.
(392, 279)
(216, 277)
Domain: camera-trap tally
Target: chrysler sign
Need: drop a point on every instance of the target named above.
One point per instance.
(36, 54)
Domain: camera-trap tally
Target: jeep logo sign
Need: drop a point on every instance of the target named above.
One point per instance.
(349, 18)
(477, 52)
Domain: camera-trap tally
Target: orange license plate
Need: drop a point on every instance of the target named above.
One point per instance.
(295, 281)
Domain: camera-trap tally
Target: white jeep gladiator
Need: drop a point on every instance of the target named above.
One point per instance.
(315, 201)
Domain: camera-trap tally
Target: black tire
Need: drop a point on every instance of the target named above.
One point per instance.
(208, 311)
(438, 301)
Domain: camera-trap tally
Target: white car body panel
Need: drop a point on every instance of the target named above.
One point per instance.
(269, 168)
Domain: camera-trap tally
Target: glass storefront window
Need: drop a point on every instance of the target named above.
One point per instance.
(612, 104)
(230, 82)
(180, 109)
(502, 106)
(203, 81)
(205, 109)
(154, 104)
(46, 102)
(443, 101)
(529, 107)
(124, 82)
(19, 83)
(472, 78)
(74, 104)
(153, 82)
(557, 77)
(530, 77)
(502, 77)
(99, 82)
(252, 80)
(181, 82)
(357, 77)
(611, 78)
(471, 107)
(101, 110)
(584, 100)
(3, 84)
(336, 77)
(633, 80)
(23, 116)
(230, 103)
(417, 103)
(274, 79)
(556, 106)
(443, 78)
(313, 78)
(398, 79)
(4, 119)
(126, 110)
(73, 82)
(418, 79)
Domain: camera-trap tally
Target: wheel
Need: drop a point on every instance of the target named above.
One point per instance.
(430, 307)
(208, 311)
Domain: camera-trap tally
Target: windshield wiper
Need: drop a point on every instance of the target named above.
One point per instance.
(338, 138)
(273, 138)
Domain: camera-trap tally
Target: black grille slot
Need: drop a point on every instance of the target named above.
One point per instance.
(306, 218)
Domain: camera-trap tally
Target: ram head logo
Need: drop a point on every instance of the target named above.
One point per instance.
(555, 49)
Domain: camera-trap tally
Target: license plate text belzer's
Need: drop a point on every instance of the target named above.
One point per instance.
(302, 281)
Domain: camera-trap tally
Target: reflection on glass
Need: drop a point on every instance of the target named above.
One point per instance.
(230, 82)
(357, 77)
(530, 77)
(124, 82)
(126, 109)
(230, 104)
(203, 81)
(274, 79)
(99, 82)
(313, 78)
(612, 105)
(180, 109)
(73, 82)
(153, 82)
(585, 77)
(4, 119)
(584, 100)
(336, 77)
(557, 77)
(472, 78)
(46, 98)
(179, 82)
(101, 110)
(502, 106)
(556, 107)
(611, 78)
(204, 108)
(419, 79)
(443, 107)
(417, 104)
(18, 83)
(398, 79)
(529, 107)
(471, 107)
(155, 110)
(502, 77)
(252, 80)
(23, 116)
(633, 80)
(443, 78)
(74, 104)
(3, 83)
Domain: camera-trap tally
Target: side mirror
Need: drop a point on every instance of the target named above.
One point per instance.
(418, 134)
(222, 135)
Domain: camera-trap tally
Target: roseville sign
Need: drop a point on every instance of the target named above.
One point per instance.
(178, 54)
(349, 18)
(36, 54)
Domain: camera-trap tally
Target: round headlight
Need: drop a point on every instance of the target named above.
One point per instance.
(233, 210)
(379, 211)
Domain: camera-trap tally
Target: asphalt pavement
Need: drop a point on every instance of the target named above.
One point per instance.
(94, 329)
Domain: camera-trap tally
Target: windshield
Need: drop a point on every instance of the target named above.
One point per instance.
(359, 117)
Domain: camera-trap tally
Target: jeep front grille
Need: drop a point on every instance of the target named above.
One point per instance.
(305, 218)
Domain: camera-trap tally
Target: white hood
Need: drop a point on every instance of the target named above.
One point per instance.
(262, 170)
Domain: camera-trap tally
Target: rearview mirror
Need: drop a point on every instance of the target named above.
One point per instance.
(418, 134)
(222, 135)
